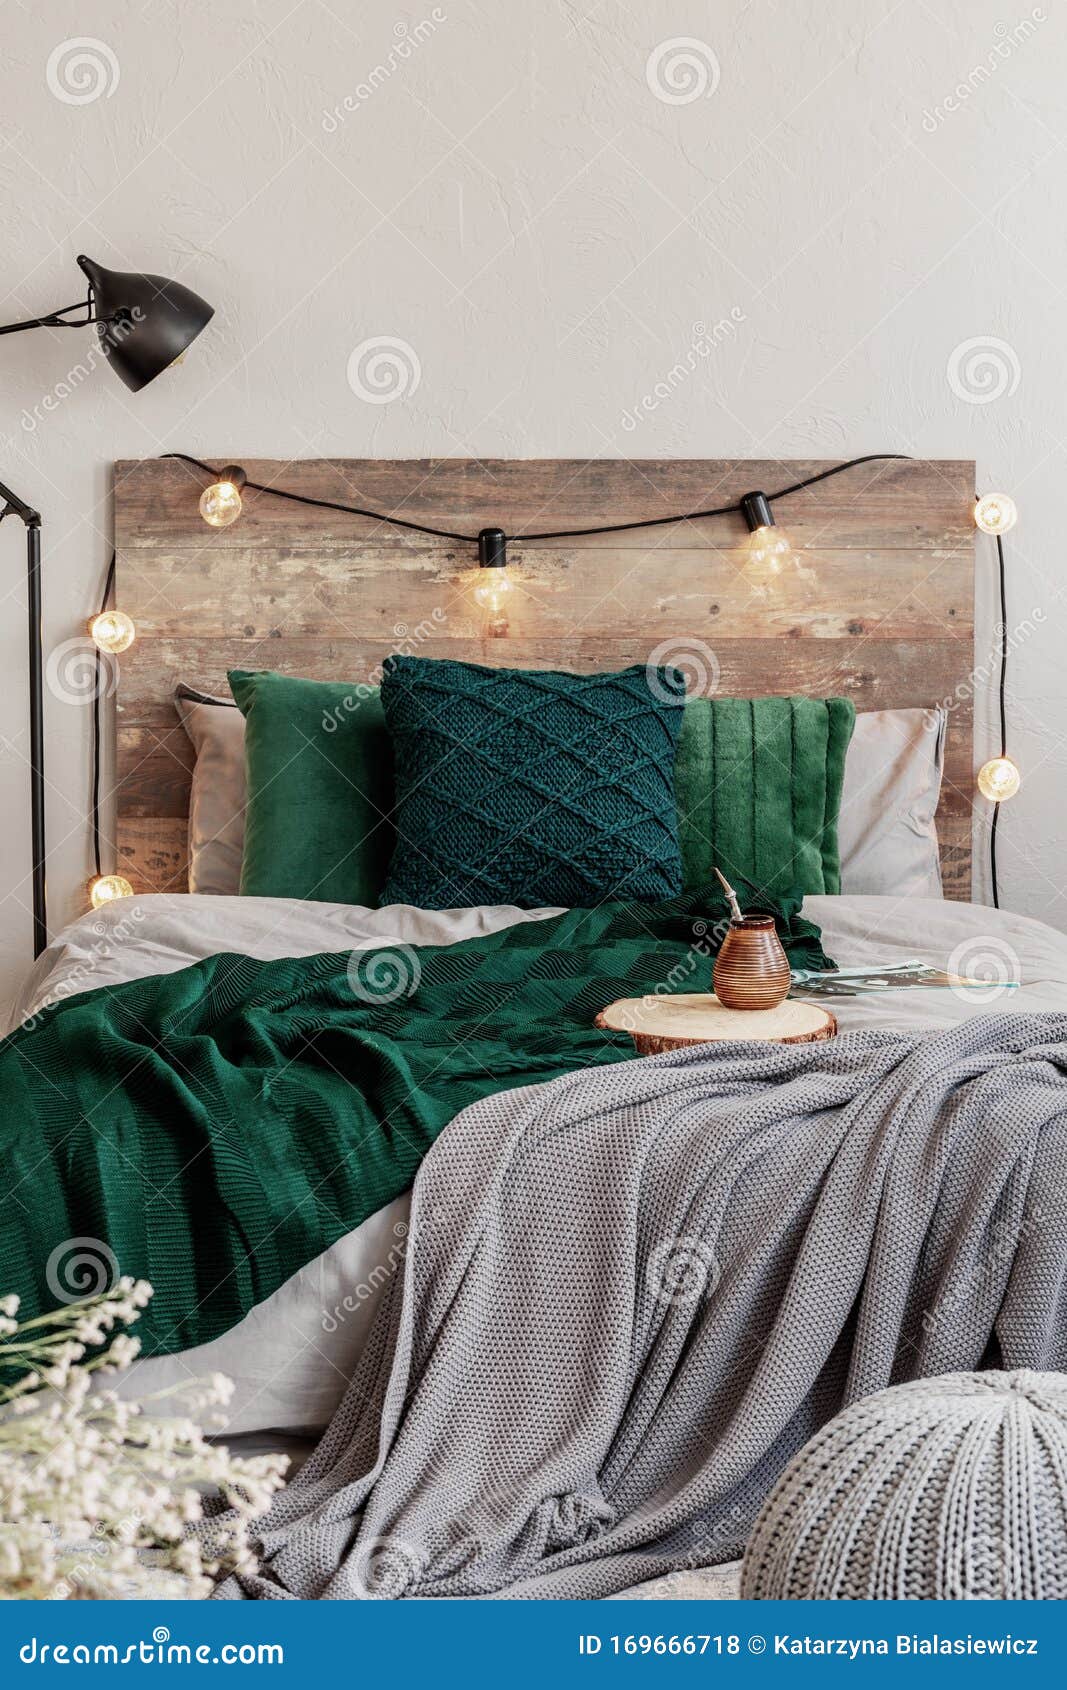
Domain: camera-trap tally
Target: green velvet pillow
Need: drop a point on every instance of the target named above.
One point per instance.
(532, 787)
(320, 788)
(758, 783)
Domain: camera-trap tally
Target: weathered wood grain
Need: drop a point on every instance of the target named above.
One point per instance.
(891, 506)
(885, 617)
(617, 594)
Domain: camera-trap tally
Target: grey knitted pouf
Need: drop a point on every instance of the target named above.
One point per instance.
(948, 1489)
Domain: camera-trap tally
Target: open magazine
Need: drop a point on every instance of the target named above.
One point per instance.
(898, 977)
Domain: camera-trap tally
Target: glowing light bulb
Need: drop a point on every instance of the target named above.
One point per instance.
(999, 779)
(493, 591)
(106, 888)
(112, 630)
(220, 504)
(768, 553)
(995, 513)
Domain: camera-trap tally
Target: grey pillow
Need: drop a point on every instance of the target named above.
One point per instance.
(217, 799)
(886, 831)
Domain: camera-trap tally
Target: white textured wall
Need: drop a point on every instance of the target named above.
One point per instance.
(516, 202)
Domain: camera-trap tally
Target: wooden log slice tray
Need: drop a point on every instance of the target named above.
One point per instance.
(693, 1018)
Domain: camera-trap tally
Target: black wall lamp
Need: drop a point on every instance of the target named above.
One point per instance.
(145, 324)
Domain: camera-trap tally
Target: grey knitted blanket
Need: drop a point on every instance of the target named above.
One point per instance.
(632, 1294)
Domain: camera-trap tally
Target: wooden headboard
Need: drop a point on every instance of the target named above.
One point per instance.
(888, 618)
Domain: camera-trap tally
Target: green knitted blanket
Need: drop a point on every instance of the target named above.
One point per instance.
(214, 1129)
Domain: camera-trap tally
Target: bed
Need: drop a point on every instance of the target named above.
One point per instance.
(292, 1356)
(884, 617)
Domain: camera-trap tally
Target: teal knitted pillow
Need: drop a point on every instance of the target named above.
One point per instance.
(531, 787)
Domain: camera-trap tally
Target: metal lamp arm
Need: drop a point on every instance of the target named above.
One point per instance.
(59, 320)
(31, 520)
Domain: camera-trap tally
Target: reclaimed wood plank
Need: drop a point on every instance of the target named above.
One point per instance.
(892, 506)
(886, 617)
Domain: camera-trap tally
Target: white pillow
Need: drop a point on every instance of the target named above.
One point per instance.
(886, 832)
(217, 795)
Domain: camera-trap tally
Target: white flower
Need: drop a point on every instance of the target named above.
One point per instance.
(87, 1481)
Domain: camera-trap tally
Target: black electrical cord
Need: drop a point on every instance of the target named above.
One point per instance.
(1003, 717)
(719, 510)
(332, 504)
(109, 582)
(556, 534)
(553, 534)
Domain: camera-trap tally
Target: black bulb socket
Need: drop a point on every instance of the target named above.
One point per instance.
(756, 510)
(492, 548)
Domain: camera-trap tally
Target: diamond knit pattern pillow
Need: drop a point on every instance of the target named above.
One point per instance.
(531, 787)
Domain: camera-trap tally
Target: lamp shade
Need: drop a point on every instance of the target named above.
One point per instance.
(150, 322)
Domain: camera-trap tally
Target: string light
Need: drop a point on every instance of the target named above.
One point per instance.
(768, 551)
(493, 582)
(107, 888)
(999, 780)
(220, 504)
(112, 631)
(768, 554)
(995, 513)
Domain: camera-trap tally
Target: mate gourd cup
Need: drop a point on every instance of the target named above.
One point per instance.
(751, 969)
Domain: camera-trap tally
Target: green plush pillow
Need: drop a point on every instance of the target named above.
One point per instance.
(758, 783)
(320, 788)
(531, 787)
